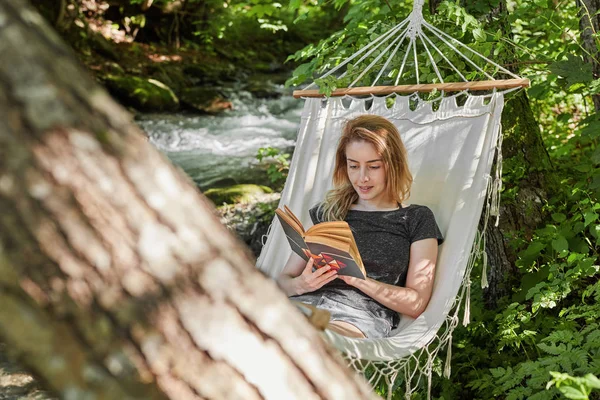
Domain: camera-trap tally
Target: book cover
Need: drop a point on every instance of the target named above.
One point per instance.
(333, 247)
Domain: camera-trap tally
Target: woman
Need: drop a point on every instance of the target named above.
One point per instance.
(398, 243)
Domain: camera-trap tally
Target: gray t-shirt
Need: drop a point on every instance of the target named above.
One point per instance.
(383, 239)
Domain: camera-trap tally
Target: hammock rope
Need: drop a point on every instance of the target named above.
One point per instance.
(414, 28)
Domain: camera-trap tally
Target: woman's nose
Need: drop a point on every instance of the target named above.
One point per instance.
(364, 177)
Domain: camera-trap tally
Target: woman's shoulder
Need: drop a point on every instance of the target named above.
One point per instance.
(415, 207)
(418, 211)
(422, 223)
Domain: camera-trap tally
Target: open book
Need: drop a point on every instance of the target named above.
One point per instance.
(328, 243)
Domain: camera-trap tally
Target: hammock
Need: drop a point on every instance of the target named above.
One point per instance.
(451, 149)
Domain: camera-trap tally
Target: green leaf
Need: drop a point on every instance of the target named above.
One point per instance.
(573, 393)
(573, 70)
(596, 156)
(560, 244)
(589, 217)
(479, 35)
(559, 217)
(591, 381)
(583, 167)
(595, 87)
(534, 249)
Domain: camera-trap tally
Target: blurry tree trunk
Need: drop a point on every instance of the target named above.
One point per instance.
(117, 281)
(589, 22)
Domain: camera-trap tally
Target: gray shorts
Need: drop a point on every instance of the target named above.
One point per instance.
(372, 326)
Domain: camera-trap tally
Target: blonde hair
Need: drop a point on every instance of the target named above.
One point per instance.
(385, 138)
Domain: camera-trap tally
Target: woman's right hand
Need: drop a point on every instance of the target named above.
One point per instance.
(309, 281)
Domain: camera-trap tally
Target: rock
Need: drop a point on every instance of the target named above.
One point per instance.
(142, 94)
(250, 221)
(206, 100)
(199, 74)
(171, 75)
(103, 46)
(242, 193)
(209, 74)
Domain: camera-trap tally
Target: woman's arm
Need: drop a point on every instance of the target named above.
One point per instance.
(298, 277)
(412, 299)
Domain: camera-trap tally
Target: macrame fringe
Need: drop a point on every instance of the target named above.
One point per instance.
(484, 280)
(497, 187)
(408, 389)
(467, 315)
(448, 364)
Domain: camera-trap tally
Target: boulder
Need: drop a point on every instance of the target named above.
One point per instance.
(142, 94)
(171, 75)
(205, 100)
(242, 193)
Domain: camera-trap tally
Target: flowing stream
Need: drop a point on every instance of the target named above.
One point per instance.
(221, 150)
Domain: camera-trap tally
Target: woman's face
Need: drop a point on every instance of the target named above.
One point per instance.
(366, 172)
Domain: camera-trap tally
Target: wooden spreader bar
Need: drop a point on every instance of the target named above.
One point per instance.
(425, 87)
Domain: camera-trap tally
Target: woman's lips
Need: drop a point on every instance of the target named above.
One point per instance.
(365, 189)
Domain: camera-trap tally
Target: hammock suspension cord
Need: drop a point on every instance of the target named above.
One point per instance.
(413, 30)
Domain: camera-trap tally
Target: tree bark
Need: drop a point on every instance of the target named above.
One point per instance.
(589, 23)
(433, 6)
(532, 179)
(522, 148)
(117, 281)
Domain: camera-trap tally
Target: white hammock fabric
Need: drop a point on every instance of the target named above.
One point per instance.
(451, 151)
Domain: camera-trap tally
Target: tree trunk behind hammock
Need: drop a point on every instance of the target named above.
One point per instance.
(523, 147)
(589, 25)
(117, 281)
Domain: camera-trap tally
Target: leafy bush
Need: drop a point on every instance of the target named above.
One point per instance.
(278, 165)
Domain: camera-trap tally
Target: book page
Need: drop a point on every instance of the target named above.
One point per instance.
(293, 223)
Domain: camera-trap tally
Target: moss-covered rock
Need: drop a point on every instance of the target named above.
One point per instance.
(142, 94)
(205, 100)
(237, 193)
(171, 75)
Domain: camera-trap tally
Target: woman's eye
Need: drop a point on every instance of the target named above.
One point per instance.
(375, 167)
(353, 166)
